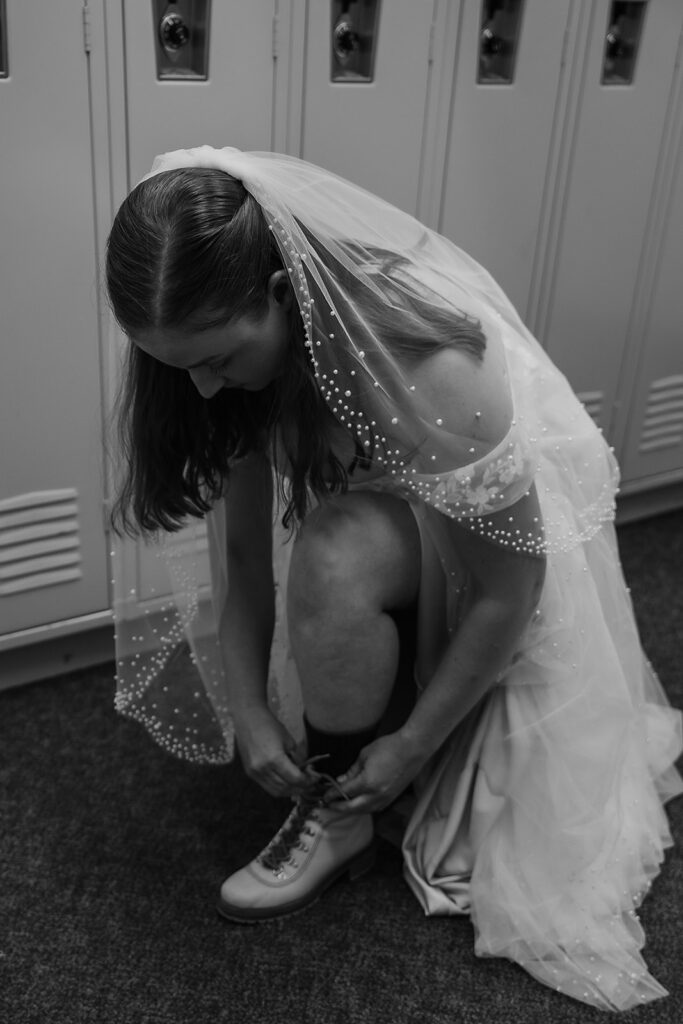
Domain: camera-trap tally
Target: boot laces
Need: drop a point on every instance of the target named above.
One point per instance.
(278, 851)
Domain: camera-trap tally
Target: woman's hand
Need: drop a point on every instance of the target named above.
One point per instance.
(269, 754)
(383, 770)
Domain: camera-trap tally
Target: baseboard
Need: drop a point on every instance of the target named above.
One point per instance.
(47, 658)
(634, 504)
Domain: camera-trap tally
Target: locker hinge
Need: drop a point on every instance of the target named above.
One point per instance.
(275, 35)
(608, 430)
(87, 29)
(565, 41)
(107, 506)
(430, 47)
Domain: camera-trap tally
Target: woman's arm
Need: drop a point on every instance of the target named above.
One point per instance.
(506, 584)
(507, 588)
(246, 622)
(472, 399)
(246, 629)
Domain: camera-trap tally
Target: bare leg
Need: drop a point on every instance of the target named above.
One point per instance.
(357, 558)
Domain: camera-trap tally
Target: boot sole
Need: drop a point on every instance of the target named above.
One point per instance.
(354, 868)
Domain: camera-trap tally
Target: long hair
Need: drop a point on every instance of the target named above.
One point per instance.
(188, 249)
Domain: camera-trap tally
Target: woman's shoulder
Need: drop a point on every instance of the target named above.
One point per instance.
(470, 394)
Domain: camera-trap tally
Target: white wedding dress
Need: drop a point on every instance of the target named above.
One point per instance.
(542, 816)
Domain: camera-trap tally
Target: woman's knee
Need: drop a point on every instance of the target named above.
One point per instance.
(359, 551)
(324, 560)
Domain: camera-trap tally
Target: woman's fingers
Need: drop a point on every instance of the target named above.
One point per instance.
(287, 777)
(365, 803)
(279, 778)
(357, 805)
(351, 787)
(350, 795)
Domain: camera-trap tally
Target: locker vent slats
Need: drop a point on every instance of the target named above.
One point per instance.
(592, 402)
(39, 540)
(663, 420)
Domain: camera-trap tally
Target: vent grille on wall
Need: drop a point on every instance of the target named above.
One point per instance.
(39, 541)
(592, 402)
(663, 421)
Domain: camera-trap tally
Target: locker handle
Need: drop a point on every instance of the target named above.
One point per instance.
(173, 32)
(499, 35)
(622, 41)
(616, 47)
(491, 44)
(354, 28)
(181, 39)
(345, 41)
(4, 68)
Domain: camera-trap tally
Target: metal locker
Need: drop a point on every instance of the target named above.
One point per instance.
(652, 451)
(604, 202)
(53, 548)
(367, 125)
(197, 73)
(509, 60)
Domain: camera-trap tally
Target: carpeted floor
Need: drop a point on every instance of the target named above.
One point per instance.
(111, 853)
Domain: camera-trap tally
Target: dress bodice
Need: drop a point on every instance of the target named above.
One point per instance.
(494, 481)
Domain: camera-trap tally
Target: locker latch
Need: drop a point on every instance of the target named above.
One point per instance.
(624, 29)
(355, 25)
(4, 66)
(181, 39)
(501, 25)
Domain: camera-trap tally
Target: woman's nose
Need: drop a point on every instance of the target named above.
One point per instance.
(206, 382)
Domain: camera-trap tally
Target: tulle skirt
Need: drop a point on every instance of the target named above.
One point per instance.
(542, 817)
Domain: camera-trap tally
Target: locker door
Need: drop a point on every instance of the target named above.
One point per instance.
(501, 127)
(654, 441)
(369, 131)
(606, 202)
(231, 107)
(53, 551)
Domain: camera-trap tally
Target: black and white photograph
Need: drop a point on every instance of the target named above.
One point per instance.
(341, 511)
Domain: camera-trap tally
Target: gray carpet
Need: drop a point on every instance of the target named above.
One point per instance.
(111, 853)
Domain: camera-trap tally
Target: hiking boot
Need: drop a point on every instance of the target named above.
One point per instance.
(314, 848)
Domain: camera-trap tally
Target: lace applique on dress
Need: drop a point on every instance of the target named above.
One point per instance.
(494, 482)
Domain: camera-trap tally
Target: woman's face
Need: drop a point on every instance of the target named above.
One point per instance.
(244, 353)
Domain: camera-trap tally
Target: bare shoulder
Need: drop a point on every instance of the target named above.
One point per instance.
(471, 395)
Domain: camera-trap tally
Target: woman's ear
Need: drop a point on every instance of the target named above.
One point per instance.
(280, 289)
